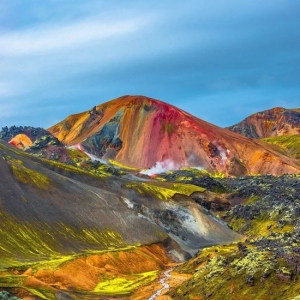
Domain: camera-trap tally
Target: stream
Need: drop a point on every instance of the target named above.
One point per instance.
(164, 285)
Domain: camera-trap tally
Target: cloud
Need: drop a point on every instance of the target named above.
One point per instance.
(218, 61)
(53, 38)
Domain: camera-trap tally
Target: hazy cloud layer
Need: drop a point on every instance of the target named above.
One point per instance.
(219, 60)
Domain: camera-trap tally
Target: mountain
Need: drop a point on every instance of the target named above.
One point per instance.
(143, 132)
(74, 227)
(87, 228)
(21, 141)
(268, 123)
(32, 133)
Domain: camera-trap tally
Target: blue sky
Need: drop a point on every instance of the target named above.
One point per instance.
(219, 60)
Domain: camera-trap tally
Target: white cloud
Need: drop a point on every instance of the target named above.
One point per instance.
(43, 39)
(71, 55)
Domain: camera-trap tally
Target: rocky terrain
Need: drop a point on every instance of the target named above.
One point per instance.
(273, 122)
(8, 133)
(265, 264)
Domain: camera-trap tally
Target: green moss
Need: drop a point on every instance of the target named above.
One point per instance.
(289, 144)
(183, 178)
(75, 154)
(61, 167)
(236, 224)
(122, 166)
(223, 272)
(124, 285)
(9, 281)
(202, 172)
(165, 191)
(35, 241)
(29, 176)
(252, 199)
(17, 281)
(159, 178)
(46, 294)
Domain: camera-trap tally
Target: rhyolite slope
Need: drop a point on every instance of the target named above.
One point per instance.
(48, 209)
(140, 132)
(277, 121)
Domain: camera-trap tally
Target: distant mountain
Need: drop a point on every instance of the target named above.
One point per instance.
(268, 123)
(141, 132)
(288, 144)
(32, 133)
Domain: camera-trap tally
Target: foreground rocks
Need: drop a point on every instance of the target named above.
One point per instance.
(266, 263)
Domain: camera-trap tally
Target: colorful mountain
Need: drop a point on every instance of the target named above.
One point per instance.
(21, 141)
(268, 123)
(145, 133)
(33, 133)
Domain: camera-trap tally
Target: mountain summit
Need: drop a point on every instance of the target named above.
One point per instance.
(141, 132)
(268, 123)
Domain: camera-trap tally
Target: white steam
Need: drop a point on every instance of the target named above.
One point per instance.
(91, 156)
(161, 167)
(198, 168)
(94, 157)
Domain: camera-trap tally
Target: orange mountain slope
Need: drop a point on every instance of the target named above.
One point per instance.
(140, 131)
(21, 141)
(273, 122)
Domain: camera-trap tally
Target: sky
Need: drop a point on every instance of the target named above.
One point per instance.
(219, 60)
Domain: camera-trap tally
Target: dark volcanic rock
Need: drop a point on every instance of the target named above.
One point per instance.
(33, 133)
(45, 141)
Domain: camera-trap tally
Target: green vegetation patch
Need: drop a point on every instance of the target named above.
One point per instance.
(76, 155)
(123, 286)
(122, 166)
(288, 143)
(28, 176)
(203, 172)
(17, 281)
(252, 199)
(30, 241)
(165, 191)
(227, 272)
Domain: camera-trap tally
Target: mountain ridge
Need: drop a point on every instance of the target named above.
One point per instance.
(276, 121)
(140, 131)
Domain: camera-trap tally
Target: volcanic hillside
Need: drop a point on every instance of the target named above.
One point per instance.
(273, 122)
(49, 208)
(140, 132)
